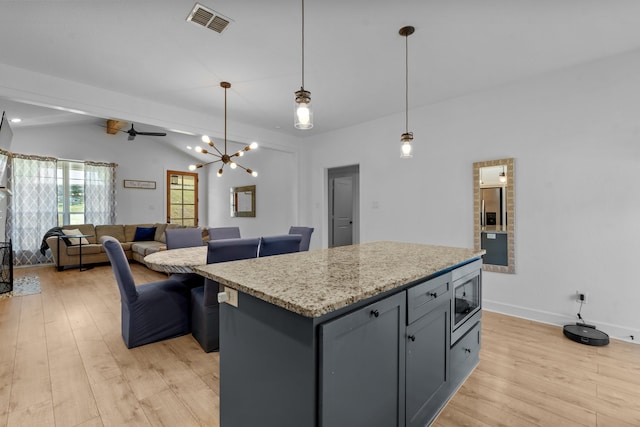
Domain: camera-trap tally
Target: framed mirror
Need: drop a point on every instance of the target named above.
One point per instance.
(494, 213)
(243, 201)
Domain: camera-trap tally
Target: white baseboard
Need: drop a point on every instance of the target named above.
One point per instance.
(614, 331)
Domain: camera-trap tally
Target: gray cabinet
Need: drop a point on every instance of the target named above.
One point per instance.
(465, 355)
(377, 370)
(388, 361)
(427, 367)
(427, 349)
(361, 361)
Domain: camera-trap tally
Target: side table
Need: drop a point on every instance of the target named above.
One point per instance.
(79, 237)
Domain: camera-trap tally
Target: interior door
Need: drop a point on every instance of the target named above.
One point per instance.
(342, 211)
(182, 198)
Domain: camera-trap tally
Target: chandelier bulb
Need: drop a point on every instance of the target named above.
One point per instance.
(205, 139)
(219, 172)
(198, 149)
(232, 165)
(192, 167)
(253, 145)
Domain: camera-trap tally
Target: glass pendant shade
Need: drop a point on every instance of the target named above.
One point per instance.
(303, 117)
(406, 148)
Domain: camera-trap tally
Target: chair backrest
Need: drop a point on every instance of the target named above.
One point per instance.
(231, 249)
(305, 232)
(121, 269)
(277, 245)
(226, 250)
(183, 238)
(217, 233)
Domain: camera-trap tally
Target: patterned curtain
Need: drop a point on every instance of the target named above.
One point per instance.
(34, 206)
(100, 193)
(4, 197)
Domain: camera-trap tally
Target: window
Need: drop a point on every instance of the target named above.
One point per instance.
(86, 192)
(182, 198)
(70, 193)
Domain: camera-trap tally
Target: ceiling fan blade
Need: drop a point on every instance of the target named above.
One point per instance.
(152, 133)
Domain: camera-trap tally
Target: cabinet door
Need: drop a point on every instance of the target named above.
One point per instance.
(361, 358)
(427, 367)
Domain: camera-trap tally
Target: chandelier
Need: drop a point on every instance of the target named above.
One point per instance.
(223, 157)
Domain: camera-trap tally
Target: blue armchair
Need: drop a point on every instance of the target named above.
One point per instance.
(277, 245)
(204, 299)
(151, 312)
(305, 232)
(218, 233)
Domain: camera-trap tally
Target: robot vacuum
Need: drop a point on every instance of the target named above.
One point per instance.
(585, 334)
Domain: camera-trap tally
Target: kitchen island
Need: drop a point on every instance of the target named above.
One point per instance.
(352, 336)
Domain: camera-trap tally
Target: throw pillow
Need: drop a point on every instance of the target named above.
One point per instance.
(74, 240)
(144, 234)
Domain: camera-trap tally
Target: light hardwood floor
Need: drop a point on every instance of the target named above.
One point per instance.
(63, 363)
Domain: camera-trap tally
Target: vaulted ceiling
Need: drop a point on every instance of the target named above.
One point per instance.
(354, 56)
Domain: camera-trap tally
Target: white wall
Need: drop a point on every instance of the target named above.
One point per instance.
(145, 159)
(276, 192)
(575, 136)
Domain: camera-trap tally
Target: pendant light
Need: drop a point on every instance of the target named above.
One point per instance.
(303, 117)
(407, 137)
(224, 158)
(502, 177)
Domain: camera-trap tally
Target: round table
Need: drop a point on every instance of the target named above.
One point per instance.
(177, 260)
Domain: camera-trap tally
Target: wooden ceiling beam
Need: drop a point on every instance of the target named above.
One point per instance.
(114, 126)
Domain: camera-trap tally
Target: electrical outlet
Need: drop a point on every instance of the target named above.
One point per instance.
(581, 297)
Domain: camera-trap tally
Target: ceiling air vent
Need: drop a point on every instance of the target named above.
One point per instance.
(208, 18)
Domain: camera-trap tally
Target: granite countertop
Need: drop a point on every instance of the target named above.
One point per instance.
(177, 260)
(317, 282)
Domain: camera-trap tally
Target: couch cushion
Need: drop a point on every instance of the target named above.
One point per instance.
(115, 231)
(144, 234)
(146, 248)
(130, 231)
(84, 229)
(160, 227)
(74, 240)
(92, 248)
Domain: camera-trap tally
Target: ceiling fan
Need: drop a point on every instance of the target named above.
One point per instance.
(133, 133)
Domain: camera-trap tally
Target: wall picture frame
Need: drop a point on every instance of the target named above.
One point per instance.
(136, 183)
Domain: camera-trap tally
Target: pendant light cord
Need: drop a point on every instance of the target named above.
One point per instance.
(303, 44)
(225, 120)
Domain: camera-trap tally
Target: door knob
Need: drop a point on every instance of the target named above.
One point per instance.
(412, 338)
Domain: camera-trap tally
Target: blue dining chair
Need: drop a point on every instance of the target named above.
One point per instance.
(204, 299)
(278, 245)
(178, 238)
(183, 238)
(305, 232)
(151, 312)
(218, 233)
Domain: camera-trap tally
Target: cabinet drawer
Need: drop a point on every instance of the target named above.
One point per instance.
(423, 298)
(465, 355)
